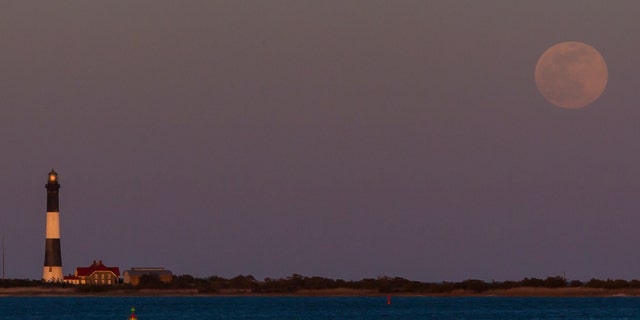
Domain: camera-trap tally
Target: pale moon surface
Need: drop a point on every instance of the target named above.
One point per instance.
(571, 75)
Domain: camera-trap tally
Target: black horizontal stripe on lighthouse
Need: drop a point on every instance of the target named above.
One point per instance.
(52, 255)
(52, 199)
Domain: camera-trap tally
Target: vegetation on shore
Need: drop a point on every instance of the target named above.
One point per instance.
(298, 283)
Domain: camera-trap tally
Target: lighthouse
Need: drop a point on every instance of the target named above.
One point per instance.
(52, 271)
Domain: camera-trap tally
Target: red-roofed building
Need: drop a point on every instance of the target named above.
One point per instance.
(96, 273)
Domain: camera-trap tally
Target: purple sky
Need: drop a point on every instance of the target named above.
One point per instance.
(343, 139)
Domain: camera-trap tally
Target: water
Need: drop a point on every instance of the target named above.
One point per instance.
(310, 308)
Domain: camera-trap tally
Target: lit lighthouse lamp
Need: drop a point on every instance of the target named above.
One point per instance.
(52, 271)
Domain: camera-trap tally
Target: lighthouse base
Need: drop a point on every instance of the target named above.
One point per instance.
(52, 274)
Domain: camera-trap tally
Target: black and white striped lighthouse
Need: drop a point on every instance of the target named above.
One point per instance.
(52, 271)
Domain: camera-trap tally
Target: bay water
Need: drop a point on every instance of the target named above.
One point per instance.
(201, 307)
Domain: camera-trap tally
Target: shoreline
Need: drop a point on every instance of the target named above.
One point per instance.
(341, 292)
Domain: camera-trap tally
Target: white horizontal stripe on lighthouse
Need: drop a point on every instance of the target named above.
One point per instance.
(52, 274)
(53, 225)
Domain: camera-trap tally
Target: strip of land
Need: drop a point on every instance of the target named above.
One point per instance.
(511, 292)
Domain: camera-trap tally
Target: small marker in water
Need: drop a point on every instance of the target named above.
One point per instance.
(388, 299)
(133, 315)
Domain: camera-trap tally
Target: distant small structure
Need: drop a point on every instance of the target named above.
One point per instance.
(133, 314)
(97, 273)
(133, 276)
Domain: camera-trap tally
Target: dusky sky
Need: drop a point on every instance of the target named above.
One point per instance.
(343, 139)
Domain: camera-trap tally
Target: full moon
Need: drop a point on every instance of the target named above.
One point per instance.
(571, 75)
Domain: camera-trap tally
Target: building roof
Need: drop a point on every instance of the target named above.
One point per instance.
(96, 267)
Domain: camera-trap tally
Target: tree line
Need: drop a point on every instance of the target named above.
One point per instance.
(296, 282)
